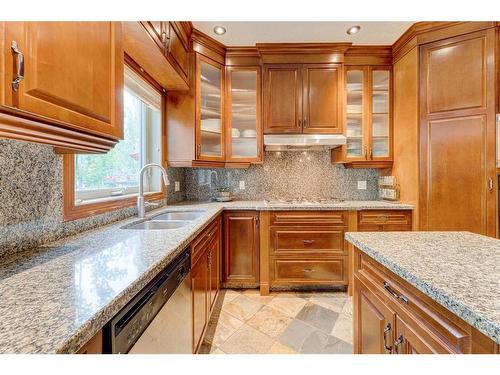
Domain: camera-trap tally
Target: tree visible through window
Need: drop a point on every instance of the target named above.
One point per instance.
(117, 172)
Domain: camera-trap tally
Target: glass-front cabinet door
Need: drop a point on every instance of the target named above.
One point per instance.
(209, 110)
(380, 114)
(243, 125)
(355, 113)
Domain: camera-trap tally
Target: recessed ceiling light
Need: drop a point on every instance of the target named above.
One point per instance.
(219, 30)
(353, 30)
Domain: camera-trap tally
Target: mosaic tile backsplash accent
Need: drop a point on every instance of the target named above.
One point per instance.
(285, 175)
(31, 198)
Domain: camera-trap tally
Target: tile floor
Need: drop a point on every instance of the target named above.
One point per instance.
(283, 323)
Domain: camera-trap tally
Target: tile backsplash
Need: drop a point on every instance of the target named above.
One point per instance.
(285, 175)
(31, 189)
(31, 198)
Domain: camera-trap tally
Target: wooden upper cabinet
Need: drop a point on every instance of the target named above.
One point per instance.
(73, 75)
(209, 109)
(178, 49)
(457, 128)
(243, 114)
(282, 99)
(368, 118)
(321, 99)
(241, 249)
(302, 98)
(456, 74)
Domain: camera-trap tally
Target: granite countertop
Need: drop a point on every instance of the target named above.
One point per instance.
(57, 296)
(459, 270)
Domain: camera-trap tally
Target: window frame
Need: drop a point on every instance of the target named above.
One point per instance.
(72, 211)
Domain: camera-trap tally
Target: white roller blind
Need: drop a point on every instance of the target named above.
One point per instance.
(140, 88)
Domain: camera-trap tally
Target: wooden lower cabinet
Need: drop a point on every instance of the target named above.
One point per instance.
(241, 249)
(205, 278)
(384, 220)
(393, 317)
(93, 346)
(374, 322)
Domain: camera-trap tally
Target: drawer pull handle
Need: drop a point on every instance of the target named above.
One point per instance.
(397, 344)
(308, 270)
(387, 329)
(308, 242)
(393, 293)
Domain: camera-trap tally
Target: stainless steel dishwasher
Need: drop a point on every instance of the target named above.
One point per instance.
(159, 319)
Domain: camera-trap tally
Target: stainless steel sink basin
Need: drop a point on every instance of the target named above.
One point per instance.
(157, 225)
(179, 215)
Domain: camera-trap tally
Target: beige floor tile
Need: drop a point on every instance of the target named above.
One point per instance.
(247, 340)
(220, 329)
(278, 348)
(343, 328)
(217, 351)
(347, 310)
(228, 295)
(270, 321)
(254, 294)
(242, 307)
(332, 302)
(287, 304)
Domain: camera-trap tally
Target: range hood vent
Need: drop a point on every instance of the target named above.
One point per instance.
(302, 142)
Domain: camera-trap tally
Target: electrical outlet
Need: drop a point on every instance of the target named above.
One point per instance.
(361, 185)
(242, 185)
(177, 186)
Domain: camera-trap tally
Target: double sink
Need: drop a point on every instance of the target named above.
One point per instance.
(166, 220)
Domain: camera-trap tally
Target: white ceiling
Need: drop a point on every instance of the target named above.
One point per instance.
(249, 33)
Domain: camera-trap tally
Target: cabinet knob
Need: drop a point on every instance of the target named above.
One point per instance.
(397, 344)
(387, 329)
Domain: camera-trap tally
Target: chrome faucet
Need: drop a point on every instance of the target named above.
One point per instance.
(141, 204)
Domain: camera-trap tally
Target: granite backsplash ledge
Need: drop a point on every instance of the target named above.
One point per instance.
(285, 175)
(31, 198)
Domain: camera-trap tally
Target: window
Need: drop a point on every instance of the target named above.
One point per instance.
(104, 177)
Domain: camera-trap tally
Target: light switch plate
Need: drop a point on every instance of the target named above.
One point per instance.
(242, 185)
(177, 186)
(361, 185)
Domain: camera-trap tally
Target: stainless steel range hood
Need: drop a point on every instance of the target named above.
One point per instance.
(302, 142)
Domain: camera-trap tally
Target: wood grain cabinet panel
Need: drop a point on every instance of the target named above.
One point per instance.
(73, 74)
(456, 74)
(384, 220)
(282, 99)
(316, 218)
(409, 341)
(374, 322)
(321, 102)
(457, 134)
(214, 258)
(306, 241)
(310, 271)
(241, 249)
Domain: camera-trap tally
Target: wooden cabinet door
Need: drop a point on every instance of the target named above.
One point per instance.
(374, 322)
(322, 98)
(241, 248)
(73, 73)
(199, 285)
(178, 49)
(457, 147)
(282, 99)
(158, 32)
(408, 341)
(214, 267)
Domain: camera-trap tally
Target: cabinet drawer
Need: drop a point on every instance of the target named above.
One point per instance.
(387, 220)
(202, 241)
(307, 271)
(337, 218)
(414, 304)
(306, 241)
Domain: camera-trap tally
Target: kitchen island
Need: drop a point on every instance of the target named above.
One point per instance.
(425, 292)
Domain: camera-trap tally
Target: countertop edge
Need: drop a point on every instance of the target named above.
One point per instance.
(483, 325)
